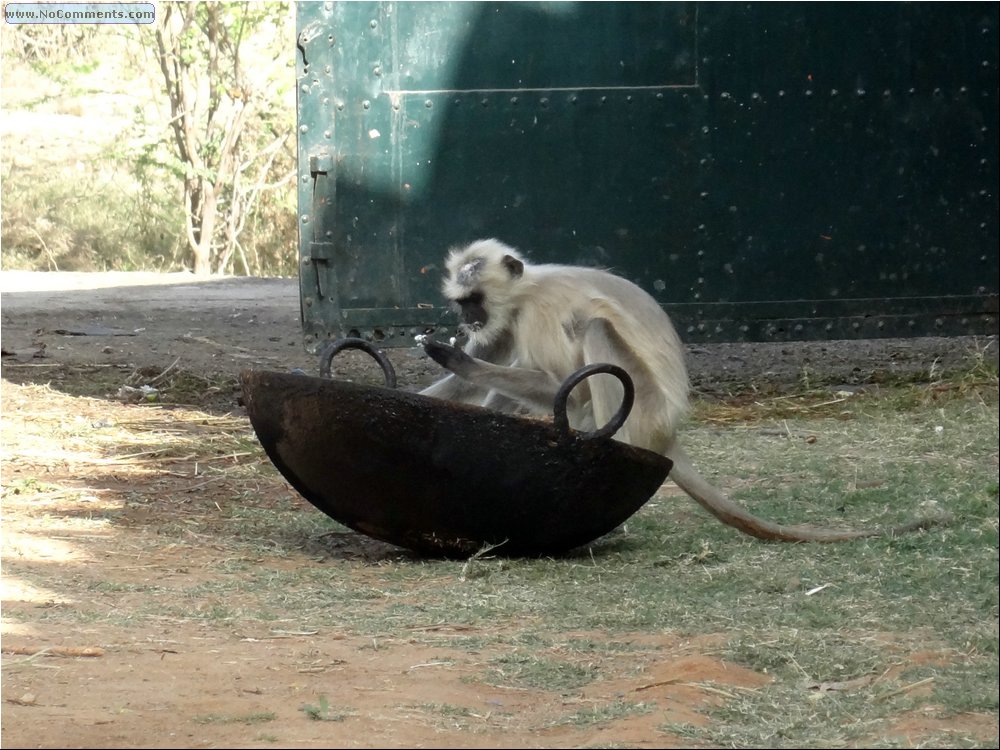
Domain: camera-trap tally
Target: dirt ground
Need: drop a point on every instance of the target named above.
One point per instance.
(159, 687)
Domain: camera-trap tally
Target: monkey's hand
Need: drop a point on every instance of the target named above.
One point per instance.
(449, 357)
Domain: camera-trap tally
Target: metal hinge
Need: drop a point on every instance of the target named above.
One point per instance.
(321, 251)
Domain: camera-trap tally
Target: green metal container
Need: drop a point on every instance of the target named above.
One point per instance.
(774, 171)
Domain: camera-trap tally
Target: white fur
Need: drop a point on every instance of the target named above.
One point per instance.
(545, 310)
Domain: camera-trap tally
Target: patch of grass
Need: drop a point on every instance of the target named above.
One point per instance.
(963, 687)
(260, 717)
(789, 715)
(29, 486)
(447, 709)
(323, 711)
(604, 713)
(280, 528)
(785, 716)
(526, 670)
(447, 715)
(813, 655)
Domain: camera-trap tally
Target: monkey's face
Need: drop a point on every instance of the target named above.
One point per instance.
(472, 310)
(479, 283)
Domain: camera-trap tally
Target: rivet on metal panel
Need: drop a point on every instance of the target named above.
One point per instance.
(340, 106)
(304, 129)
(377, 70)
(604, 100)
(781, 92)
(659, 96)
(514, 100)
(308, 301)
(485, 102)
(305, 218)
(373, 23)
(428, 103)
(809, 92)
(326, 134)
(574, 99)
(861, 93)
(887, 94)
(834, 92)
(366, 104)
(544, 102)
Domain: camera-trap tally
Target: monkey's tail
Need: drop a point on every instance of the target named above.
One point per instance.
(694, 484)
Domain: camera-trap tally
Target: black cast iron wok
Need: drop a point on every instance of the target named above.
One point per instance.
(444, 478)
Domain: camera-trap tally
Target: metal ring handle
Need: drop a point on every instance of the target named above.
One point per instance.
(331, 349)
(615, 423)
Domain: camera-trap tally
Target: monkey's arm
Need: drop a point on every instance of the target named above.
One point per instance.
(533, 388)
(454, 388)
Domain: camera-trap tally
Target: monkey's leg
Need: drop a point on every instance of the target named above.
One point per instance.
(453, 388)
(601, 343)
(532, 388)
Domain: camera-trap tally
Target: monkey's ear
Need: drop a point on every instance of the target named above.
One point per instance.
(514, 266)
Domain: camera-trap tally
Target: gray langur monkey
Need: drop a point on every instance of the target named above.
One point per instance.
(531, 326)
